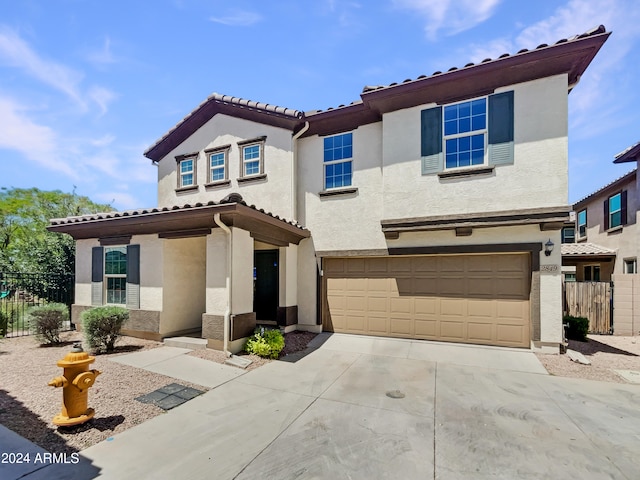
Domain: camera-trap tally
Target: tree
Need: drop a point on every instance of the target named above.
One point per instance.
(25, 244)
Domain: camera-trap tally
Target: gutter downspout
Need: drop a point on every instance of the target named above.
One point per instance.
(227, 312)
(294, 172)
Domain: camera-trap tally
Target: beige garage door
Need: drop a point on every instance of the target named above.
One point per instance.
(481, 299)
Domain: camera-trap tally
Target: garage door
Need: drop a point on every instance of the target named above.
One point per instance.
(481, 299)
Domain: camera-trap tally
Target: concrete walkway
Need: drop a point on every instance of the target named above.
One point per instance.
(370, 408)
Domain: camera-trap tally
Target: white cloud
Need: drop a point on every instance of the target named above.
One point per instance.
(103, 56)
(102, 97)
(123, 200)
(36, 142)
(452, 16)
(15, 52)
(238, 18)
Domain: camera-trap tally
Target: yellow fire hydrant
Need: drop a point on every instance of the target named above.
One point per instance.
(76, 380)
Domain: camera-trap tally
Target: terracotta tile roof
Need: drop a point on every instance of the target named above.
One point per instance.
(231, 198)
(584, 249)
(630, 154)
(620, 180)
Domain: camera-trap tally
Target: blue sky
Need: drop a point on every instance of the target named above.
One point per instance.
(87, 86)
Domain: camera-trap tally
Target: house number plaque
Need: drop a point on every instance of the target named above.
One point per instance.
(549, 268)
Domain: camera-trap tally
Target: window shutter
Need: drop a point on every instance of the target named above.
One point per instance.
(623, 202)
(501, 114)
(97, 274)
(133, 276)
(606, 214)
(431, 140)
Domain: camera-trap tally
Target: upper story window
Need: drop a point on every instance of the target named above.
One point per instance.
(473, 133)
(568, 235)
(338, 154)
(187, 170)
(615, 210)
(115, 275)
(465, 131)
(218, 161)
(252, 157)
(630, 265)
(582, 223)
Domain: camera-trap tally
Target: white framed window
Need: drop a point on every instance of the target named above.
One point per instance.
(465, 133)
(186, 172)
(614, 211)
(338, 155)
(630, 265)
(251, 160)
(582, 223)
(568, 235)
(217, 166)
(115, 275)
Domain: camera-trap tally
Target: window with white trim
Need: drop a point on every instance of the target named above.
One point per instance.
(338, 154)
(465, 133)
(218, 166)
(186, 171)
(568, 235)
(614, 210)
(115, 275)
(582, 223)
(251, 160)
(630, 265)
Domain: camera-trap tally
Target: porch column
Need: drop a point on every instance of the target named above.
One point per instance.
(288, 288)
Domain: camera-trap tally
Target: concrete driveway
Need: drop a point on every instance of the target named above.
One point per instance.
(370, 408)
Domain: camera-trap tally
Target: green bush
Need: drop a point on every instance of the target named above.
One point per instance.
(101, 326)
(577, 328)
(46, 321)
(265, 343)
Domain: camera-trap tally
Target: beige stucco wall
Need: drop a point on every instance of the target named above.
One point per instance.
(216, 274)
(625, 241)
(350, 221)
(288, 276)
(307, 288)
(151, 271)
(626, 304)
(184, 284)
(242, 278)
(540, 137)
(272, 194)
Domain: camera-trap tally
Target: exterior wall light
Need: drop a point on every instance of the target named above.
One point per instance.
(548, 247)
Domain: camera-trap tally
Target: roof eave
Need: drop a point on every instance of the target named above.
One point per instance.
(571, 57)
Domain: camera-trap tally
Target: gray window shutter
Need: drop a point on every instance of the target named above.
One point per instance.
(606, 214)
(97, 275)
(623, 204)
(431, 140)
(133, 276)
(501, 135)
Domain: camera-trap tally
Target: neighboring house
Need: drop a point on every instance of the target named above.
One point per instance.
(426, 208)
(608, 243)
(605, 235)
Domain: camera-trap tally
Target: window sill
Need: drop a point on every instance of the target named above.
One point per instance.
(187, 189)
(467, 172)
(252, 178)
(615, 229)
(338, 191)
(218, 184)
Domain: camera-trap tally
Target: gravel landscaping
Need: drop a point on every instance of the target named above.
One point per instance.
(606, 354)
(28, 404)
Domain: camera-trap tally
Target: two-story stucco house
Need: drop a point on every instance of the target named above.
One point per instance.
(421, 210)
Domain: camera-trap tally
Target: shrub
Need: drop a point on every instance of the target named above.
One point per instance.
(101, 326)
(265, 343)
(577, 328)
(46, 321)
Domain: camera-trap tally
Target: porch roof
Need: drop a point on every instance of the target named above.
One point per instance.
(585, 250)
(182, 222)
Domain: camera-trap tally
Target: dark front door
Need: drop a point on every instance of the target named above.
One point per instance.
(265, 294)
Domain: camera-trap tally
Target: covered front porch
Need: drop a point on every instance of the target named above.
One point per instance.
(212, 270)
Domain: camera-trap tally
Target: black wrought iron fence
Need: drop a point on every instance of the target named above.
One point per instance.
(21, 291)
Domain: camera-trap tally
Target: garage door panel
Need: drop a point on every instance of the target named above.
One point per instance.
(453, 331)
(480, 332)
(463, 298)
(401, 326)
(401, 305)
